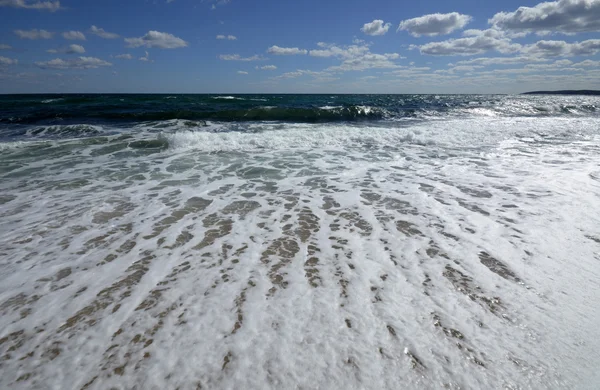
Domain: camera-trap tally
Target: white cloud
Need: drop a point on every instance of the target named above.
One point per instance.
(376, 27)
(300, 73)
(75, 49)
(487, 61)
(588, 63)
(466, 68)
(435, 24)
(346, 52)
(71, 49)
(355, 57)
(367, 61)
(75, 63)
(28, 4)
(566, 16)
(562, 48)
(5, 47)
(492, 32)
(286, 50)
(146, 58)
(478, 41)
(242, 72)
(7, 61)
(228, 37)
(409, 71)
(533, 68)
(237, 57)
(156, 39)
(267, 67)
(321, 53)
(125, 56)
(559, 64)
(103, 34)
(73, 35)
(34, 34)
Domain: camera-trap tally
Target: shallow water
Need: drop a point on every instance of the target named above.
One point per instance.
(447, 253)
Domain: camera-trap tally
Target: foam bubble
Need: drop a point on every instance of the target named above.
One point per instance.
(228, 98)
(461, 254)
(46, 101)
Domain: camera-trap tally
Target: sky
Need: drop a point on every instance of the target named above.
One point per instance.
(309, 46)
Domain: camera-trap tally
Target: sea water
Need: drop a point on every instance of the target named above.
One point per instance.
(298, 241)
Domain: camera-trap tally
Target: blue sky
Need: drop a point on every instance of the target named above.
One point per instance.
(331, 46)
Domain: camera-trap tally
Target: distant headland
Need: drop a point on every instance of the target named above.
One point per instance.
(564, 92)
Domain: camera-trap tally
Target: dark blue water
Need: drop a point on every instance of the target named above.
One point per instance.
(72, 116)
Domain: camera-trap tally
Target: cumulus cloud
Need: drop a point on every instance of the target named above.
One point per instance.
(355, 57)
(345, 52)
(146, 58)
(74, 63)
(367, 61)
(588, 63)
(466, 68)
(376, 27)
(228, 37)
(435, 24)
(321, 53)
(74, 35)
(267, 67)
(487, 61)
(242, 72)
(28, 4)
(300, 73)
(7, 61)
(409, 71)
(5, 47)
(559, 64)
(156, 39)
(103, 34)
(562, 48)
(71, 49)
(565, 16)
(124, 56)
(237, 57)
(34, 34)
(478, 41)
(286, 51)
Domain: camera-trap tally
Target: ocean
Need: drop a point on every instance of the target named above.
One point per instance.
(299, 241)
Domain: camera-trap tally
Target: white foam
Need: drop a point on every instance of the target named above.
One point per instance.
(292, 137)
(228, 295)
(473, 132)
(11, 145)
(228, 98)
(66, 131)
